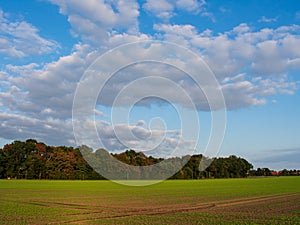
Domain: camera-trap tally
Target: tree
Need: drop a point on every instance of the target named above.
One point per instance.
(35, 160)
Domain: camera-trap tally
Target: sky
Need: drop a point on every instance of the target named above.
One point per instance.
(48, 49)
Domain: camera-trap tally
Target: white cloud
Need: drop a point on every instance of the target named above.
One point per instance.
(264, 19)
(190, 5)
(210, 15)
(240, 29)
(266, 51)
(119, 39)
(243, 93)
(46, 91)
(162, 9)
(22, 68)
(290, 45)
(294, 64)
(224, 10)
(3, 76)
(141, 123)
(20, 39)
(268, 58)
(180, 30)
(27, 88)
(51, 131)
(95, 20)
(166, 9)
(99, 113)
(239, 77)
(37, 99)
(118, 137)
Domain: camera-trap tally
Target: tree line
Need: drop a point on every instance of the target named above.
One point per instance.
(35, 160)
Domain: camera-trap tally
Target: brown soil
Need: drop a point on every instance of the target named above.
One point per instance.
(255, 209)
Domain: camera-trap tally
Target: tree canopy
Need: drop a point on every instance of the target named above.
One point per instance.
(35, 160)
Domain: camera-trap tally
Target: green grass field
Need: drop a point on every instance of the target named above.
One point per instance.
(219, 201)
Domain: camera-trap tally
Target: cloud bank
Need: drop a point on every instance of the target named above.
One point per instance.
(251, 65)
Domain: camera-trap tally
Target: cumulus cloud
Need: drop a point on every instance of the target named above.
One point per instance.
(19, 39)
(190, 5)
(294, 64)
(46, 91)
(162, 9)
(118, 137)
(95, 20)
(265, 51)
(36, 99)
(166, 9)
(141, 123)
(243, 93)
(52, 131)
(27, 88)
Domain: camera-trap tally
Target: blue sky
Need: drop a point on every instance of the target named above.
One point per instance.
(252, 47)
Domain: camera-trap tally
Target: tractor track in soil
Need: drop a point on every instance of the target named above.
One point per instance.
(207, 207)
